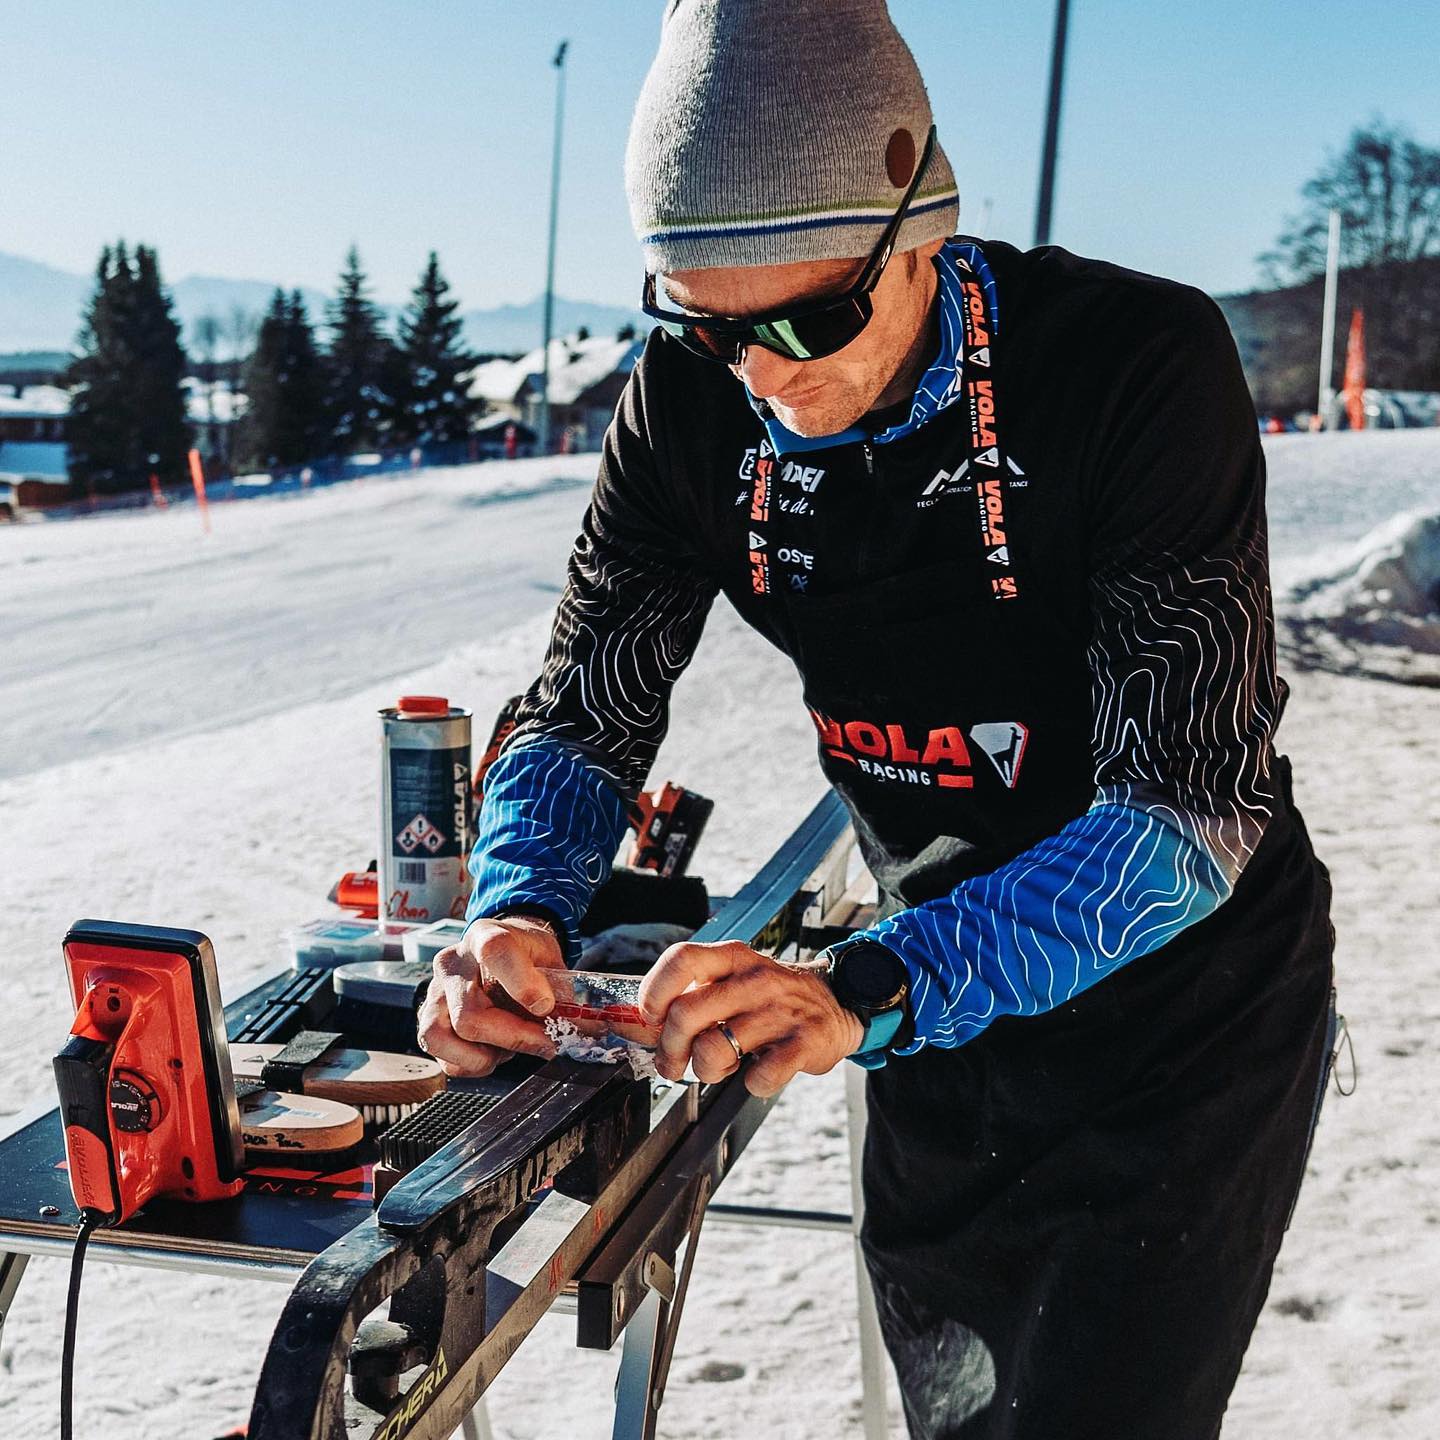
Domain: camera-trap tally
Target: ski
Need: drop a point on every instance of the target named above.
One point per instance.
(581, 1176)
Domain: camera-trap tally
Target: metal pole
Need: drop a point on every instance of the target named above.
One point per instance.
(1327, 324)
(559, 63)
(1046, 201)
(874, 1423)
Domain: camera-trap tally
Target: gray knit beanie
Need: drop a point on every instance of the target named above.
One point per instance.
(770, 131)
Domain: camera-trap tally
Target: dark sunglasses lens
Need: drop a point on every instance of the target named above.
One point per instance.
(703, 340)
(821, 333)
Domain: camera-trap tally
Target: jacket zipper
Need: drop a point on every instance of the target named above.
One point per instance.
(862, 564)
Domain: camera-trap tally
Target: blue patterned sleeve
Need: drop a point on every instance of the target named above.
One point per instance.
(1185, 699)
(549, 828)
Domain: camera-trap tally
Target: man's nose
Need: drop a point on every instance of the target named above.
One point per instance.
(764, 372)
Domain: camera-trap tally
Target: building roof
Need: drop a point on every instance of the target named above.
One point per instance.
(575, 367)
(34, 401)
(228, 407)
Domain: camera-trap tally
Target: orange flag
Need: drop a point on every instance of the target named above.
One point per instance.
(1354, 391)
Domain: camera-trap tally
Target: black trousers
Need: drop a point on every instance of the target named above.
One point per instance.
(1071, 1221)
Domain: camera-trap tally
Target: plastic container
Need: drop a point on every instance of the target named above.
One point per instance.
(328, 943)
(425, 942)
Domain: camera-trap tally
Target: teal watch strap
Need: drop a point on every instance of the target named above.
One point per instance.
(879, 1032)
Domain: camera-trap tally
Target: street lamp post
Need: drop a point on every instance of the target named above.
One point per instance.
(1327, 322)
(559, 63)
(1052, 126)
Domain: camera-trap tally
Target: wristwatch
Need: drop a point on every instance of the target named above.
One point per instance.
(870, 980)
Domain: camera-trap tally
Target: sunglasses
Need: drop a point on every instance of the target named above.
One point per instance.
(803, 332)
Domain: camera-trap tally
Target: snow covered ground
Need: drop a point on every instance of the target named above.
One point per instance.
(187, 736)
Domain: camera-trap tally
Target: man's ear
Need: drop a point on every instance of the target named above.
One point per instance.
(928, 251)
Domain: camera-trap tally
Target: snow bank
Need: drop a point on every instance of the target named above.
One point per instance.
(1376, 611)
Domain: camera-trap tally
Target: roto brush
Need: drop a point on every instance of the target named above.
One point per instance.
(146, 1094)
(424, 809)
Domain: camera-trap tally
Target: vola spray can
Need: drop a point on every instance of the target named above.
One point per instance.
(425, 830)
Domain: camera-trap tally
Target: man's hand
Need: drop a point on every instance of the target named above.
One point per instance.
(460, 1025)
(783, 1015)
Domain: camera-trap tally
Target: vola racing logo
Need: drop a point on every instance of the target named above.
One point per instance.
(1004, 745)
(762, 470)
(982, 422)
(938, 756)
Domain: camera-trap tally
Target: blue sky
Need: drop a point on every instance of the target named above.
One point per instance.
(258, 139)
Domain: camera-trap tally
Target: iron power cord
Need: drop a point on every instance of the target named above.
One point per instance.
(90, 1221)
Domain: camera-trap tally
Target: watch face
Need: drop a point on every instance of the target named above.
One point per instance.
(870, 974)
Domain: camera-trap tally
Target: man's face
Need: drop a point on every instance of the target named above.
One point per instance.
(822, 397)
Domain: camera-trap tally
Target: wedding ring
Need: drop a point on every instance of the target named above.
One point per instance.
(724, 1028)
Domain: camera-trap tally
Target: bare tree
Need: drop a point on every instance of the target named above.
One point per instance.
(239, 331)
(205, 344)
(1386, 186)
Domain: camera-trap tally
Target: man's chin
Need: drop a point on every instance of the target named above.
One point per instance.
(813, 422)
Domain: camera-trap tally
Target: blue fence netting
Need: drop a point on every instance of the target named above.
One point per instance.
(295, 479)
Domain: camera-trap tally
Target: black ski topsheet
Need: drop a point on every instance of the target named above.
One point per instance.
(287, 1215)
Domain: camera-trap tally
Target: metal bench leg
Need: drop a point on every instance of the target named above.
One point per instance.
(477, 1423)
(650, 1336)
(872, 1347)
(12, 1267)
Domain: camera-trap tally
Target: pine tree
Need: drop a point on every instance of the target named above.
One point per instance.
(161, 364)
(359, 364)
(285, 421)
(127, 408)
(433, 404)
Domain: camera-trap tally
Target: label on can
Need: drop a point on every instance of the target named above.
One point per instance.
(429, 796)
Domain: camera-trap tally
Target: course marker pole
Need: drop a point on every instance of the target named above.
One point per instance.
(197, 476)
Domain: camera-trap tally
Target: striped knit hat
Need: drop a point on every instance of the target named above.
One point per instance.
(770, 131)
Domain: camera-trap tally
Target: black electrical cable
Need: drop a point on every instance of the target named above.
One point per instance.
(90, 1221)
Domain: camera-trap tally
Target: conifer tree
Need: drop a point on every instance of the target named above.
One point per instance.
(358, 363)
(433, 404)
(160, 370)
(127, 409)
(285, 419)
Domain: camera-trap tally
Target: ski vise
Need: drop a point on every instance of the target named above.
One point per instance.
(460, 1297)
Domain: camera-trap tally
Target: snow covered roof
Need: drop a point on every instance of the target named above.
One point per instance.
(575, 367)
(34, 400)
(227, 407)
(33, 460)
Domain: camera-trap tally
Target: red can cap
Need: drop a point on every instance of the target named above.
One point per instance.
(424, 705)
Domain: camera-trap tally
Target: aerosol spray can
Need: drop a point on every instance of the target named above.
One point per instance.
(425, 832)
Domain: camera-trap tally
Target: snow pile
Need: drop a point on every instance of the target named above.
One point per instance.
(1376, 611)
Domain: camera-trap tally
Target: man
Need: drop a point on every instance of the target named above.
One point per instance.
(1005, 512)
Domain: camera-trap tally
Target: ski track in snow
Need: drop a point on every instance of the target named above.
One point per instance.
(235, 810)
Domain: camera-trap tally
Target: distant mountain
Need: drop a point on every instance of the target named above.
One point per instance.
(33, 362)
(39, 305)
(515, 329)
(40, 310)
